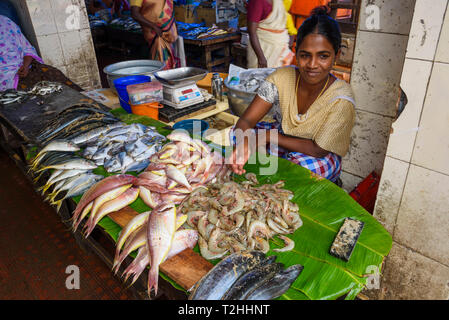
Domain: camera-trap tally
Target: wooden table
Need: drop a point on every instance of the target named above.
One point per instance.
(212, 52)
(185, 269)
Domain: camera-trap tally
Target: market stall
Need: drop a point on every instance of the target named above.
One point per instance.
(291, 217)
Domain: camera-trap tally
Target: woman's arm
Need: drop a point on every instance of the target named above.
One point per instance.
(254, 39)
(135, 14)
(253, 114)
(305, 146)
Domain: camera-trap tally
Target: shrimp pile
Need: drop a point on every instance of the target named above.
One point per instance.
(233, 217)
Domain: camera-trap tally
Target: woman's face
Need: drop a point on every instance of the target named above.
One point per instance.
(315, 57)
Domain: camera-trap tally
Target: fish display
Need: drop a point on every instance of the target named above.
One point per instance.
(246, 276)
(181, 166)
(232, 217)
(120, 148)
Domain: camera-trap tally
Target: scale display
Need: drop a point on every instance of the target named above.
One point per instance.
(182, 95)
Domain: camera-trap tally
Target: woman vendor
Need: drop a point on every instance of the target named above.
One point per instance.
(314, 111)
(157, 19)
(20, 66)
(268, 35)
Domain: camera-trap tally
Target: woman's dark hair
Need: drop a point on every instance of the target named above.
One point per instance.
(320, 22)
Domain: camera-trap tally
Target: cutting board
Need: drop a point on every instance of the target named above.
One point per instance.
(186, 268)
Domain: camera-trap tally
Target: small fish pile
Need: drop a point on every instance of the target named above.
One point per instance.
(158, 235)
(126, 23)
(181, 166)
(73, 121)
(12, 96)
(246, 276)
(234, 217)
(71, 173)
(121, 148)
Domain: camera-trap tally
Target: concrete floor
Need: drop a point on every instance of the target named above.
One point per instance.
(36, 248)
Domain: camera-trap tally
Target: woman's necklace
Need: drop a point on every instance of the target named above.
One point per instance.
(296, 94)
(322, 90)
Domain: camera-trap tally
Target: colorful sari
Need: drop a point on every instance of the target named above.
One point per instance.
(162, 14)
(13, 48)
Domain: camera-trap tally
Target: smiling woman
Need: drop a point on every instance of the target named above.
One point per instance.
(314, 111)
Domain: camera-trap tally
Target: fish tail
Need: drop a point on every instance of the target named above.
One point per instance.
(153, 276)
(58, 205)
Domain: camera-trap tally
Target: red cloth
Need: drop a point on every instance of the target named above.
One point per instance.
(258, 10)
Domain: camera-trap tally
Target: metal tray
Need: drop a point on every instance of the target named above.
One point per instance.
(180, 75)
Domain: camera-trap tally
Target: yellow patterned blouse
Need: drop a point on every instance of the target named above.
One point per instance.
(329, 120)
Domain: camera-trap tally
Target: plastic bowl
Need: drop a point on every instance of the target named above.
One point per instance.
(195, 127)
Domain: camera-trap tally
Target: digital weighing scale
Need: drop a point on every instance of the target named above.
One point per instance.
(179, 86)
(182, 95)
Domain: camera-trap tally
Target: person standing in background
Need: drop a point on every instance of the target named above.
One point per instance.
(157, 19)
(269, 39)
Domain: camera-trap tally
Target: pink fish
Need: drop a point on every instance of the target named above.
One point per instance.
(126, 198)
(160, 233)
(102, 187)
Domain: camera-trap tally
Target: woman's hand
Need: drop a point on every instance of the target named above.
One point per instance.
(25, 68)
(158, 30)
(239, 158)
(23, 71)
(262, 62)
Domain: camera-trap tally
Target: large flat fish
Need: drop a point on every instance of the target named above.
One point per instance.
(277, 285)
(221, 277)
(251, 280)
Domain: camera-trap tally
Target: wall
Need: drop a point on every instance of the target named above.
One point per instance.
(69, 49)
(377, 64)
(413, 196)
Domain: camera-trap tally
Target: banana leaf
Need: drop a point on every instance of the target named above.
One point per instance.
(323, 206)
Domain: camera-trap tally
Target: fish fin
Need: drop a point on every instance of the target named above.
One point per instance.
(153, 277)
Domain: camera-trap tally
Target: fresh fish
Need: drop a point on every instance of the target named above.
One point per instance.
(176, 175)
(74, 163)
(68, 184)
(147, 153)
(182, 240)
(151, 199)
(58, 145)
(107, 196)
(251, 280)
(135, 223)
(79, 189)
(161, 229)
(132, 128)
(64, 174)
(137, 147)
(137, 166)
(112, 165)
(83, 138)
(137, 240)
(277, 285)
(102, 187)
(220, 278)
(126, 198)
(89, 152)
(125, 160)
